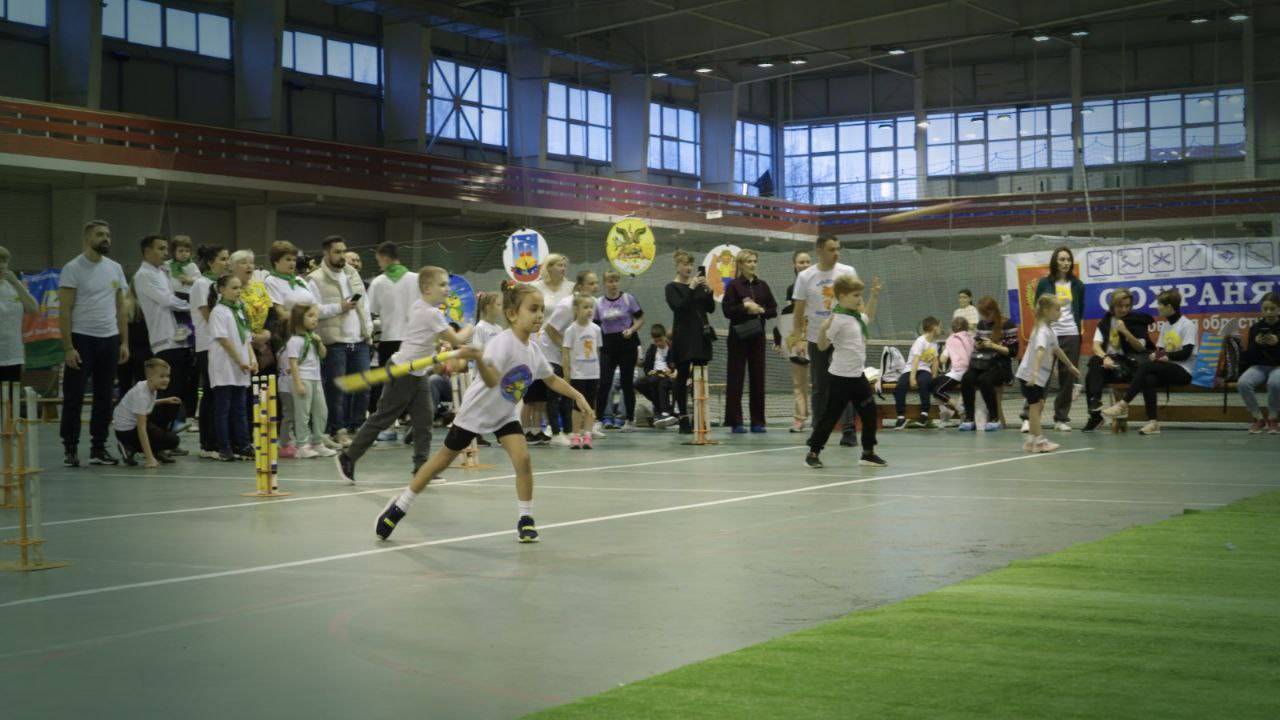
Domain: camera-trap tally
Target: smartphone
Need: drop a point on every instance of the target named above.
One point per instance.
(356, 298)
(702, 271)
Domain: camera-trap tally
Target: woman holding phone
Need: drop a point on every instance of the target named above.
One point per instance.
(691, 333)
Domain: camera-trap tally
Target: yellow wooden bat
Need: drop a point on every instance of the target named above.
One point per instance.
(356, 382)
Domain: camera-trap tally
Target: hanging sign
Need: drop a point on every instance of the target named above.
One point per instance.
(523, 255)
(459, 306)
(630, 246)
(721, 264)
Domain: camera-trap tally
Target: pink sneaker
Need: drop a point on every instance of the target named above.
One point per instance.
(1044, 445)
(586, 441)
(1257, 426)
(1273, 426)
(575, 442)
(289, 451)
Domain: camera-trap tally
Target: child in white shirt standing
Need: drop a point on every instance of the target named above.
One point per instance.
(135, 433)
(508, 366)
(1033, 373)
(844, 333)
(301, 361)
(581, 355)
(231, 363)
(955, 357)
(922, 368)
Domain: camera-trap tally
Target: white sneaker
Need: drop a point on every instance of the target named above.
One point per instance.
(1026, 426)
(1120, 409)
(628, 426)
(1029, 445)
(210, 454)
(560, 440)
(666, 421)
(597, 431)
(307, 452)
(343, 438)
(322, 451)
(1062, 427)
(1043, 445)
(1151, 428)
(329, 443)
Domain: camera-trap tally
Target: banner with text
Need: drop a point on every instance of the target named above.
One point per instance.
(40, 333)
(1221, 282)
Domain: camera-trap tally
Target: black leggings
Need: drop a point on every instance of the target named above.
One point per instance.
(619, 354)
(842, 391)
(1148, 380)
(684, 374)
(1097, 378)
(559, 407)
(988, 382)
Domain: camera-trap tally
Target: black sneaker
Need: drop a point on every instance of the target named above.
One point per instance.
(526, 530)
(543, 439)
(224, 456)
(100, 456)
(900, 423)
(873, 460)
(481, 442)
(686, 427)
(70, 459)
(346, 467)
(812, 460)
(246, 454)
(178, 452)
(530, 437)
(847, 441)
(164, 459)
(1095, 419)
(390, 517)
(125, 456)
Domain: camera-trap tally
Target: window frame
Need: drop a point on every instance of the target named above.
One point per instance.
(660, 139)
(200, 15)
(459, 103)
(568, 123)
(741, 152)
(289, 54)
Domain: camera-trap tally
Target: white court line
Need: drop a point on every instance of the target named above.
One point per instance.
(508, 532)
(452, 483)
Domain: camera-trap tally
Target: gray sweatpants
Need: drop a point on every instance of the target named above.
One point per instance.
(409, 393)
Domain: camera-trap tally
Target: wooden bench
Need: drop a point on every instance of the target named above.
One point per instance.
(1180, 413)
(886, 410)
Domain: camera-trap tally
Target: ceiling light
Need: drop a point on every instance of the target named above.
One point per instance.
(1238, 16)
(922, 124)
(975, 119)
(764, 63)
(885, 126)
(1205, 101)
(659, 74)
(897, 51)
(1041, 37)
(1198, 20)
(798, 61)
(1004, 117)
(1080, 32)
(703, 69)
(1087, 111)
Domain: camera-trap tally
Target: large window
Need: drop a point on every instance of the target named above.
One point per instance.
(851, 162)
(675, 137)
(318, 55)
(151, 23)
(752, 155)
(579, 122)
(27, 12)
(467, 103)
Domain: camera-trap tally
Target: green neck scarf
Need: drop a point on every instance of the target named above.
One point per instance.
(308, 342)
(176, 268)
(237, 312)
(293, 280)
(842, 310)
(395, 272)
(212, 276)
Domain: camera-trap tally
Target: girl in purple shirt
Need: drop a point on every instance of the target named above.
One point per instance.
(619, 316)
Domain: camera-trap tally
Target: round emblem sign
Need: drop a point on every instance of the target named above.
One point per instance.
(523, 255)
(630, 246)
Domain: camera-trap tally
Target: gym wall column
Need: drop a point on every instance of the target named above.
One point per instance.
(631, 94)
(70, 210)
(1078, 178)
(255, 228)
(407, 51)
(922, 133)
(528, 67)
(1250, 171)
(719, 116)
(255, 53)
(75, 52)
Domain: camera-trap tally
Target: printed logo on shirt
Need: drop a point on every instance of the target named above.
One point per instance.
(1170, 340)
(588, 348)
(516, 383)
(929, 354)
(1064, 293)
(828, 296)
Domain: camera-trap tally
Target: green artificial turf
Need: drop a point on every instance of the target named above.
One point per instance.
(1180, 619)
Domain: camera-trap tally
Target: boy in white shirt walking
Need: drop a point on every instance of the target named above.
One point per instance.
(130, 419)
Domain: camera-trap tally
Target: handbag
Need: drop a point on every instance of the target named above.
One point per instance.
(748, 329)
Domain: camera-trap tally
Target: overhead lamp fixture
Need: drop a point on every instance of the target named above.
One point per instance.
(658, 74)
(1041, 36)
(799, 61)
(885, 126)
(923, 124)
(1087, 111)
(764, 63)
(975, 119)
(1198, 19)
(1238, 16)
(1205, 101)
(704, 69)
(1003, 117)
(897, 51)
(1080, 32)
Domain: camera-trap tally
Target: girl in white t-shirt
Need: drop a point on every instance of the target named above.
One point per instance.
(213, 259)
(488, 317)
(302, 356)
(1170, 365)
(1033, 373)
(507, 367)
(231, 364)
(581, 353)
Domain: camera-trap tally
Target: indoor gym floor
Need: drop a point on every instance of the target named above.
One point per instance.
(186, 599)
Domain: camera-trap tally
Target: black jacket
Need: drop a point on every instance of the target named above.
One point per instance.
(689, 309)
(1258, 354)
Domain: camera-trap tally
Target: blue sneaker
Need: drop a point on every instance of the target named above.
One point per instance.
(388, 436)
(967, 426)
(992, 427)
(738, 430)
(758, 429)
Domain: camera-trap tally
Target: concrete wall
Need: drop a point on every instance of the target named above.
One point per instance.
(29, 51)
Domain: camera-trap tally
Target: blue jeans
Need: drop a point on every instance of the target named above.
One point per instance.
(1248, 384)
(346, 411)
(231, 417)
(98, 360)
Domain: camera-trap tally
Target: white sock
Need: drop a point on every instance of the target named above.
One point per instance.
(524, 507)
(406, 499)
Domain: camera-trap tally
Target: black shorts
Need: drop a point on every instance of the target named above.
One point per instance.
(459, 439)
(1033, 393)
(536, 393)
(588, 388)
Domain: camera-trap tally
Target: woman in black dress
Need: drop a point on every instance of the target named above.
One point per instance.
(691, 336)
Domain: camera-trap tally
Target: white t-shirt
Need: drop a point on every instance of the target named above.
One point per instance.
(970, 313)
(1066, 324)
(223, 369)
(485, 409)
(286, 294)
(848, 345)
(11, 311)
(421, 334)
(1042, 337)
(308, 367)
(484, 332)
(1174, 337)
(199, 291)
(549, 298)
(96, 285)
(140, 400)
(813, 286)
(584, 343)
(391, 302)
(924, 350)
(560, 317)
(1113, 346)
